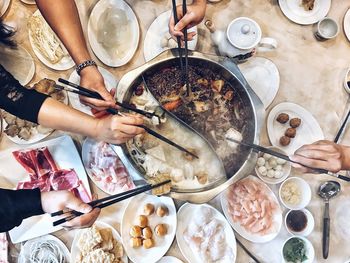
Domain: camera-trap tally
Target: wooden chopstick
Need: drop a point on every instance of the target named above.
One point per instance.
(101, 204)
(285, 157)
(342, 127)
(92, 94)
(247, 251)
(185, 73)
(178, 39)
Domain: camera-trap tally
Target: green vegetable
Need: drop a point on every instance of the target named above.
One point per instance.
(295, 251)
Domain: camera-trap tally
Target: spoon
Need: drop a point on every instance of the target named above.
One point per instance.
(326, 191)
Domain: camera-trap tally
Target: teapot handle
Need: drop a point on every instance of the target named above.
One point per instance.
(267, 44)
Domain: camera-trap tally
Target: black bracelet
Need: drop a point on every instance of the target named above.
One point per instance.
(85, 64)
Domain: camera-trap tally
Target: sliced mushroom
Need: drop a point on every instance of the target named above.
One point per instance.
(217, 85)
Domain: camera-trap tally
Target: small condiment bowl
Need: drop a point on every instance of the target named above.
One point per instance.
(309, 225)
(305, 193)
(310, 251)
(285, 170)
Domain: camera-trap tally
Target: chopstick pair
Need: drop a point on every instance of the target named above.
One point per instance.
(104, 202)
(285, 157)
(184, 68)
(342, 127)
(92, 94)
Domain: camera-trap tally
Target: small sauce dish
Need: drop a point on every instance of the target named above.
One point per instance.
(299, 222)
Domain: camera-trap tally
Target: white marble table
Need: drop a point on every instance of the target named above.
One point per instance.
(311, 75)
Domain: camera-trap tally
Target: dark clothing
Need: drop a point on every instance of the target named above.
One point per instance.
(16, 205)
(25, 104)
(17, 100)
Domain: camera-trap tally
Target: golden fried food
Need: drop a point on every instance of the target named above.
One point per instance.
(290, 132)
(148, 209)
(161, 230)
(162, 211)
(135, 242)
(202, 177)
(135, 231)
(142, 221)
(147, 232)
(148, 243)
(295, 122)
(282, 118)
(284, 140)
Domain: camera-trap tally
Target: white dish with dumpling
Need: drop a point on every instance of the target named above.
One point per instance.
(204, 235)
(133, 211)
(270, 169)
(113, 32)
(158, 38)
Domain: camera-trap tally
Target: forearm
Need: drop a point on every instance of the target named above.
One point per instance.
(63, 17)
(346, 158)
(56, 115)
(18, 205)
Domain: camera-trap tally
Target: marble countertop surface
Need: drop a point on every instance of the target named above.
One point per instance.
(311, 73)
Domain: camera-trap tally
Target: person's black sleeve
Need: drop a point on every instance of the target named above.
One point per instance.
(16, 205)
(17, 100)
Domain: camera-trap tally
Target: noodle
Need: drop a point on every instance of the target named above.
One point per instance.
(48, 251)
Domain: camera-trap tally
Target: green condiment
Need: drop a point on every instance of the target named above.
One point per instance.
(295, 250)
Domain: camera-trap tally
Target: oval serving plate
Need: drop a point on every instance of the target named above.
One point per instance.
(75, 249)
(346, 24)
(308, 132)
(110, 82)
(295, 12)
(185, 215)
(256, 238)
(65, 63)
(158, 29)
(98, 48)
(162, 244)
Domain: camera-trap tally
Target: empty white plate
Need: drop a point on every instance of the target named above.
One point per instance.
(97, 47)
(263, 76)
(347, 24)
(152, 46)
(294, 11)
(308, 132)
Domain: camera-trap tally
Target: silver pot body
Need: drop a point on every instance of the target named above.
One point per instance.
(231, 73)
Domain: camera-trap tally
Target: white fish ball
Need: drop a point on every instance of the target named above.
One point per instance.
(278, 174)
(272, 163)
(268, 166)
(281, 161)
(261, 161)
(262, 170)
(267, 156)
(271, 173)
(279, 167)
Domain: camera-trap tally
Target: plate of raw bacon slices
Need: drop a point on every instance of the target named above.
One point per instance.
(252, 210)
(105, 168)
(50, 165)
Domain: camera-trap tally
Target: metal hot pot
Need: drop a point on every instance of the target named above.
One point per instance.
(230, 72)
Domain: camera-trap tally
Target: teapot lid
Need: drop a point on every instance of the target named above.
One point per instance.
(243, 33)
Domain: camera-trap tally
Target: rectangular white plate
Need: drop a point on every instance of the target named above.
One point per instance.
(66, 156)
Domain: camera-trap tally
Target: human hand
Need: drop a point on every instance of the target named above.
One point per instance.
(195, 14)
(324, 155)
(118, 129)
(57, 200)
(92, 79)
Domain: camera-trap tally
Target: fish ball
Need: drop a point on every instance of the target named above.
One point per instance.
(267, 156)
(278, 174)
(272, 163)
(262, 170)
(281, 161)
(278, 167)
(268, 166)
(261, 161)
(271, 173)
(142, 221)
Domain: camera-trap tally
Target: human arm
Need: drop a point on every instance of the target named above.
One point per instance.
(195, 14)
(39, 108)
(17, 205)
(63, 17)
(323, 154)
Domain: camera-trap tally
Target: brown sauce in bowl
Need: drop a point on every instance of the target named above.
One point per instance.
(296, 220)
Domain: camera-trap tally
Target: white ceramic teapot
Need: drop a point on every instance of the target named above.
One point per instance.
(241, 37)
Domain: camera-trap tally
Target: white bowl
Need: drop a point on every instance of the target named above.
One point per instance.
(309, 227)
(310, 251)
(285, 171)
(305, 193)
(346, 80)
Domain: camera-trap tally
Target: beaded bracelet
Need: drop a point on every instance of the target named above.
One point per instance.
(85, 64)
